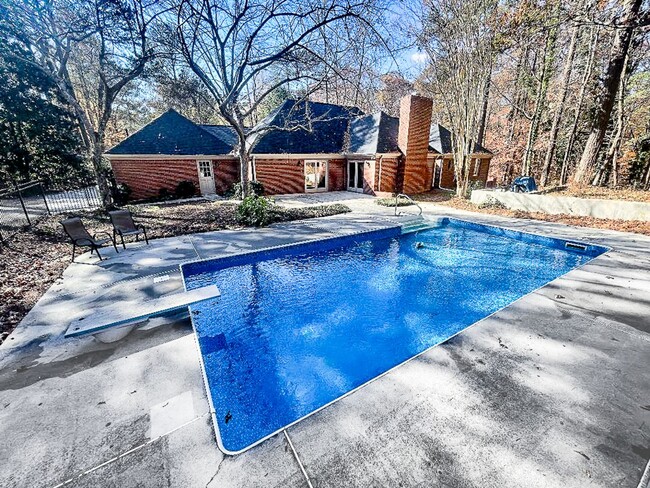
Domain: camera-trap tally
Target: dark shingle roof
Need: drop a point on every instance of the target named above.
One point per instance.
(304, 127)
(374, 133)
(224, 132)
(173, 134)
(440, 141)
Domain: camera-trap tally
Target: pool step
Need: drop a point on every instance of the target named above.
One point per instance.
(415, 226)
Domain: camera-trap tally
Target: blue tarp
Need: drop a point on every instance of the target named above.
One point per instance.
(523, 184)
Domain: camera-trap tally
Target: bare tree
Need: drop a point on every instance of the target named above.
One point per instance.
(459, 38)
(91, 50)
(547, 64)
(233, 44)
(584, 83)
(559, 109)
(629, 19)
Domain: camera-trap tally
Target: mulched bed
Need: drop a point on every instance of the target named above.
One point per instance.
(33, 259)
(450, 200)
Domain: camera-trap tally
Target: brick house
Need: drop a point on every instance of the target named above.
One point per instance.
(305, 147)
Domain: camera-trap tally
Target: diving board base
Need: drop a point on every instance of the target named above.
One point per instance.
(127, 314)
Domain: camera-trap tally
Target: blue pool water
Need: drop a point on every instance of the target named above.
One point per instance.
(297, 327)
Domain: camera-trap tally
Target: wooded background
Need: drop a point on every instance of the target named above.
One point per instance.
(556, 89)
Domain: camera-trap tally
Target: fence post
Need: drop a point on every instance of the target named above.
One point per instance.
(22, 203)
(47, 207)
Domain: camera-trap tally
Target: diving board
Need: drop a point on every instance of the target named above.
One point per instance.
(125, 313)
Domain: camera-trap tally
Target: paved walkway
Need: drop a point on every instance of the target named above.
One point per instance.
(551, 391)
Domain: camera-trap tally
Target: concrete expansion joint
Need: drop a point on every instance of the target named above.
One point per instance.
(194, 247)
(295, 455)
(126, 453)
(645, 478)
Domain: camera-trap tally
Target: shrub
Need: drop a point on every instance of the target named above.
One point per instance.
(390, 202)
(492, 202)
(254, 211)
(476, 185)
(255, 187)
(185, 189)
(121, 194)
(164, 194)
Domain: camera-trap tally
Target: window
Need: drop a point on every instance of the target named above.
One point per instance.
(205, 169)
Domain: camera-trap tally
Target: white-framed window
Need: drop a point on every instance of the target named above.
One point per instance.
(205, 169)
(316, 175)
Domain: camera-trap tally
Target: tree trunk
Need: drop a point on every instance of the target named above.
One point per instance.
(244, 161)
(611, 80)
(559, 111)
(609, 165)
(540, 100)
(578, 111)
(484, 109)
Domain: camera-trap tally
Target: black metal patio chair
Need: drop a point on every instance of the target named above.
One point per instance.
(79, 236)
(123, 225)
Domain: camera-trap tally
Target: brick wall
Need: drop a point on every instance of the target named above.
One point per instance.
(447, 177)
(447, 181)
(413, 141)
(337, 175)
(483, 170)
(147, 177)
(386, 175)
(226, 174)
(281, 175)
(369, 177)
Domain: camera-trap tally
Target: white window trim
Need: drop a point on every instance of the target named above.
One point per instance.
(327, 175)
(347, 180)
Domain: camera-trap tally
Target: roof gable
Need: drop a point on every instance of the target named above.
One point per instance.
(440, 141)
(374, 134)
(173, 134)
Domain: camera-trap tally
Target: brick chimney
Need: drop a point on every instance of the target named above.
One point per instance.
(413, 141)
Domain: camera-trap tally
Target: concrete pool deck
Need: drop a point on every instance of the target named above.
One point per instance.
(553, 390)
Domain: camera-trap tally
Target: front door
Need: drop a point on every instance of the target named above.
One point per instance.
(355, 176)
(206, 178)
(315, 176)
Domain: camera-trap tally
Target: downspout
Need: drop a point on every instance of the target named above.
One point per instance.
(381, 158)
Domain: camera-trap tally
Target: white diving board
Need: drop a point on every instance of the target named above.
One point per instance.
(125, 313)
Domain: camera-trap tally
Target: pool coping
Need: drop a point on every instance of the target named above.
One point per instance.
(222, 448)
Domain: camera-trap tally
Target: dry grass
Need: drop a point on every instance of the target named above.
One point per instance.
(33, 259)
(605, 193)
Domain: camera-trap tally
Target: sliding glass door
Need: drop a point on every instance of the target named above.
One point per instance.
(315, 176)
(355, 176)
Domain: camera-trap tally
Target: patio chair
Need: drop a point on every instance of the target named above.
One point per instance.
(123, 225)
(77, 232)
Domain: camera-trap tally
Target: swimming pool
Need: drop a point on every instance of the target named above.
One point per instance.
(297, 327)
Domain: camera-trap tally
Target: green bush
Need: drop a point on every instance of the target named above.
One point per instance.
(254, 211)
(255, 187)
(185, 189)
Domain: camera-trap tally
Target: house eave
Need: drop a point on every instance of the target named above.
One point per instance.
(167, 157)
(299, 156)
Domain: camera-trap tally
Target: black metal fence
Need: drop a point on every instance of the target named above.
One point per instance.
(21, 204)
